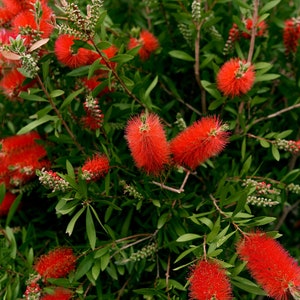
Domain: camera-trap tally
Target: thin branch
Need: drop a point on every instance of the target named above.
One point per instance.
(80, 148)
(286, 211)
(278, 113)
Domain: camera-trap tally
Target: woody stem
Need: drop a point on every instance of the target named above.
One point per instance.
(253, 30)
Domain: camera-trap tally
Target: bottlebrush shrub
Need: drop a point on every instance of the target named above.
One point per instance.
(147, 140)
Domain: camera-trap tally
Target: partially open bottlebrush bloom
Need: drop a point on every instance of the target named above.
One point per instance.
(65, 53)
(147, 142)
(291, 35)
(270, 265)
(235, 77)
(56, 264)
(148, 42)
(208, 281)
(94, 117)
(95, 168)
(198, 142)
(58, 294)
(260, 28)
(12, 83)
(6, 203)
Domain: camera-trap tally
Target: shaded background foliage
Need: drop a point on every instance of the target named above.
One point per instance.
(178, 226)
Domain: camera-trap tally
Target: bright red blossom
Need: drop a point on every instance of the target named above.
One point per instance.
(198, 142)
(56, 264)
(12, 83)
(270, 265)
(148, 42)
(260, 28)
(235, 77)
(291, 35)
(66, 55)
(209, 281)
(147, 142)
(96, 167)
(58, 294)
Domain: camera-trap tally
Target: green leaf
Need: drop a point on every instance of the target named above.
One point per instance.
(181, 55)
(186, 252)
(13, 209)
(211, 89)
(269, 6)
(90, 228)
(122, 58)
(215, 104)
(266, 77)
(70, 169)
(2, 192)
(246, 166)
(32, 97)
(162, 220)
(84, 266)
(151, 87)
(56, 93)
(188, 237)
(81, 71)
(37, 123)
(275, 152)
(71, 97)
(247, 285)
(71, 224)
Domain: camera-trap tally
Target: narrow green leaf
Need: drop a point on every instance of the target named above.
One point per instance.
(151, 87)
(32, 97)
(162, 220)
(122, 58)
(56, 93)
(72, 96)
(275, 152)
(71, 224)
(13, 209)
(266, 77)
(188, 237)
(264, 143)
(246, 166)
(2, 192)
(37, 123)
(90, 228)
(81, 71)
(268, 6)
(211, 89)
(181, 55)
(70, 169)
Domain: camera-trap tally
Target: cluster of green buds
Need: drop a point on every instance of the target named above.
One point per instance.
(52, 181)
(261, 201)
(82, 26)
(196, 11)
(186, 33)
(131, 191)
(262, 193)
(288, 145)
(294, 188)
(145, 252)
(180, 122)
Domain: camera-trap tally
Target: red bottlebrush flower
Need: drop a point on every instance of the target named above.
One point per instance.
(235, 77)
(94, 118)
(12, 83)
(148, 42)
(16, 142)
(260, 28)
(209, 281)
(7, 202)
(56, 264)
(95, 168)
(147, 143)
(58, 294)
(291, 35)
(198, 142)
(27, 19)
(66, 55)
(270, 265)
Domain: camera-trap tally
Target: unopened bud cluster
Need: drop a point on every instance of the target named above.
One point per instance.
(234, 34)
(262, 188)
(186, 33)
(145, 252)
(196, 11)
(288, 145)
(29, 65)
(261, 201)
(52, 181)
(33, 289)
(294, 188)
(180, 122)
(131, 191)
(93, 12)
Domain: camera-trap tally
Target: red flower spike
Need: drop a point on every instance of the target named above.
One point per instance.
(270, 265)
(65, 54)
(11, 83)
(209, 281)
(95, 168)
(291, 35)
(260, 28)
(7, 202)
(147, 142)
(235, 77)
(198, 142)
(149, 43)
(56, 264)
(58, 294)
